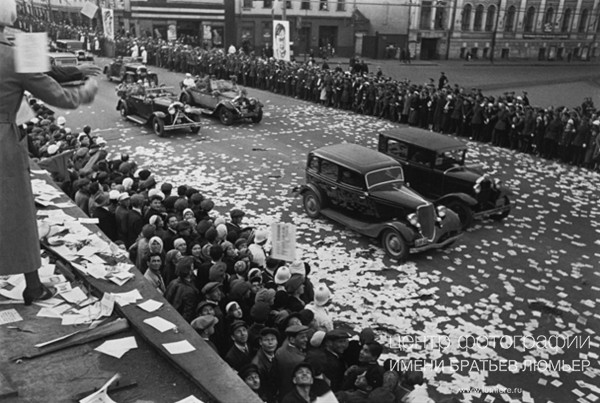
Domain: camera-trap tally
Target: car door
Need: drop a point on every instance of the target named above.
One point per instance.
(419, 172)
(352, 194)
(328, 174)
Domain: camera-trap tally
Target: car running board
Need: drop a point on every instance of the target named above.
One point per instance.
(136, 119)
(206, 111)
(365, 228)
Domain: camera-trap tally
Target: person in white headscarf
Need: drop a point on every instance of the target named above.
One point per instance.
(19, 236)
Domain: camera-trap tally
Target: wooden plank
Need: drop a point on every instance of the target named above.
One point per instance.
(6, 387)
(203, 366)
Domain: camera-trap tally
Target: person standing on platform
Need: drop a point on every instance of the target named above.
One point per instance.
(19, 239)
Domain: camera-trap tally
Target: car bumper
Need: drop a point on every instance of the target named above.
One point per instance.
(181, 126)
(497, 210)
(434, 245)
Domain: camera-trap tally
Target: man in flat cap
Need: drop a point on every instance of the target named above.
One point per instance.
(234, 228)
(291, 353)
(239, 355)
(181, 292)
(264, 357)
(335, 343)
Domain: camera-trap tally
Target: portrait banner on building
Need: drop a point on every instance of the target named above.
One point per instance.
(172, 33)
(108, 22)
(89, 9)
(283, 240)
(281, 40)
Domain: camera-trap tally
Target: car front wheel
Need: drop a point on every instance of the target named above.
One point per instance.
(258, 117)
(394, 245)
(504, 214)
(226, 116)
(464, 212)
(312, 204)
(158, 126)
(123, 110)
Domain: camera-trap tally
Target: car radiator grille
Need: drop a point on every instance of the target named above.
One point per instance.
(426, 215)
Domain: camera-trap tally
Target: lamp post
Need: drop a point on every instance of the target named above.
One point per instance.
(451, 30)
(408, 27)
(495, 32)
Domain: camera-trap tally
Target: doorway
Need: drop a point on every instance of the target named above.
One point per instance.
(429, 48)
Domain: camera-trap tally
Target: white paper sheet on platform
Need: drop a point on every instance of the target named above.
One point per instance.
(150, 305)
(84, 220)
(87, 251)
(9, 316)
(49, 303)
(126, 298)
(100, 396)
(74, 296)
(14, 291)
(107, 304)
(190, 399)
(117, 348)
(179, 347)
(54, 312)
(160, 324)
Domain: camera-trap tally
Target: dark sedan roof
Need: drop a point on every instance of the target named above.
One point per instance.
(424, 138)
(355, 157)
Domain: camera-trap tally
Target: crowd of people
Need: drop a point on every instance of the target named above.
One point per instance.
(264, 316)
(569, 135)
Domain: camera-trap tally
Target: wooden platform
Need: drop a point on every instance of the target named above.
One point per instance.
(59, 376)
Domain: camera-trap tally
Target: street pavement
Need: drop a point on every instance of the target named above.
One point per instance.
(532, 275)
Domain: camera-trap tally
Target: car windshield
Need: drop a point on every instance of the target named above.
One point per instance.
(223, 86)
(450, 159)
(385, 176)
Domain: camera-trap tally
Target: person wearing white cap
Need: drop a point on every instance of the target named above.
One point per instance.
(19, 237)
(121, 214)
(189, 81)
(259, 256)
(323, 320)
(144, 55)
(61, 121)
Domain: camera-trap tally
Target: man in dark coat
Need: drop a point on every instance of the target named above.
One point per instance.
(135, 220)
(181, 292)
(106, 220)
(336, 342)
(239, 355)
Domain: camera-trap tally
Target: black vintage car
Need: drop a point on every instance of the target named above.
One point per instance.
(75, 47)
(434, 165)
(365, 191)
(223, 99)
(158, 107)
(123, 68)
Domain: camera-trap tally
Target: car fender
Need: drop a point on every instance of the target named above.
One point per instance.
(314, 188)
(159, 114)
(228, 105)
(407, 233)
(463, 197)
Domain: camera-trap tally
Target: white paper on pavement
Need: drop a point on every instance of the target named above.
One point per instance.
(160, 324)
(190, 399)
(117, 348)
(31, 52)
(150, 305)
(179, 347)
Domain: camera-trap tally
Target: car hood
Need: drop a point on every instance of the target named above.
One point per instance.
(403, 196)
(165, 100)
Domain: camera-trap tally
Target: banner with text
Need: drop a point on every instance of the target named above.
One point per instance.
(283, 240)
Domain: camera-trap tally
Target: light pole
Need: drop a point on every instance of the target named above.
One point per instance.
(408, 28)
(451, 30)
(495, 32)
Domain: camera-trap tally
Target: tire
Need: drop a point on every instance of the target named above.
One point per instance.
(195, 130)
(503, 215)
(123, 110)
(394, 245)
(158, 126)
(465, 214)
(185, 98)
(225, 116)
(312, 204)
(258, 117)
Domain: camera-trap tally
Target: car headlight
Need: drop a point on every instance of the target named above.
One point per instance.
(441, 210)
(171, 110)
(414, 220)
(477, 188)
(187, 109)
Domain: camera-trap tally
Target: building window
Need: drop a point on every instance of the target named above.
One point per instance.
(440, 15)
(341, 5)
(247, 4)
(529, 20)
(490, 20)
(323, 5)
(566, 21)
(425, 21)
(510, 19)
(583, 22)
(288, 4)
(549, 20)
(267, 3)
(305, 5)
(478, 18)
(466, 17)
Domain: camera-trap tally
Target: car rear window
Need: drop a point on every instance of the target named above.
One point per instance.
(385, 176)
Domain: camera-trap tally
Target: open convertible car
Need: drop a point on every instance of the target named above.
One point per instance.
(364, 190)
(222, 98)
(158, 107)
